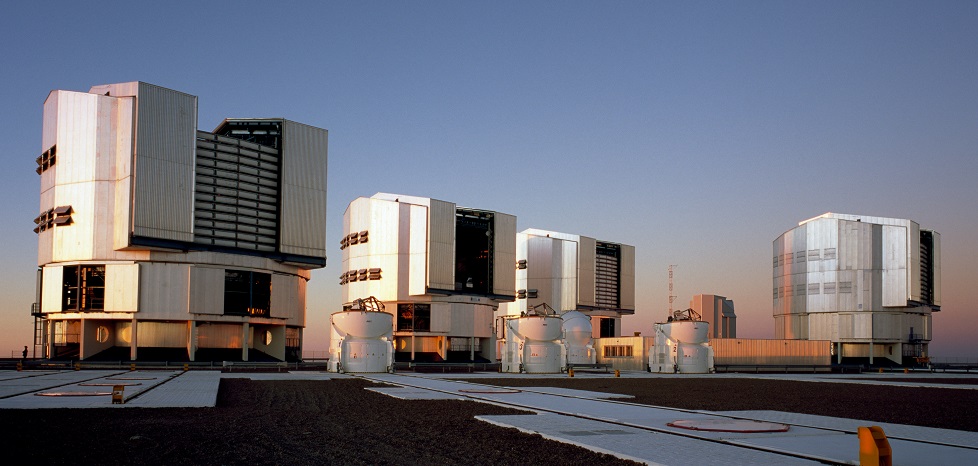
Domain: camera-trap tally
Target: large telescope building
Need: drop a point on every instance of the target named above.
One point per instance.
(441, 269)
(575, 273)
(158, 241)
(867, 284)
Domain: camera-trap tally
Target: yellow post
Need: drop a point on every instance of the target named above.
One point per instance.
(570, 372)
(906, 370)
(186, 367)
(132, 367)
(20, 366)
(117, 394)
(881, 370)
(617, 373)
(874, 448)
(77, 366)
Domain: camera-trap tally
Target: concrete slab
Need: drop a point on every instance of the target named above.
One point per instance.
(637, 444)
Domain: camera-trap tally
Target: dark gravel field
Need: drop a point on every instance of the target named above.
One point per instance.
(338, 422)
(945, 408)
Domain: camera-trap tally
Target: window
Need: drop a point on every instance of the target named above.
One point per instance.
(413, 317)
(83, 288)
(473, 251)
(607, 328)
(618, 351)
(247, 293)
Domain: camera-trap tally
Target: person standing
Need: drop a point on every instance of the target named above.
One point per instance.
(25, 352)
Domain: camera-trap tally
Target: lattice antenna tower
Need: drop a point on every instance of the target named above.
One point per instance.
(671, 296)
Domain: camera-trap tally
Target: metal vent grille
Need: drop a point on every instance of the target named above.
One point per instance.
(236, 193)
(607, 276)
(926, 267)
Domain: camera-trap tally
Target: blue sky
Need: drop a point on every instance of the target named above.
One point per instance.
(696, 131)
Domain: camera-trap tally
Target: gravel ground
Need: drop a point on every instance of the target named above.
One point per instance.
(945, 408)
(338, 422)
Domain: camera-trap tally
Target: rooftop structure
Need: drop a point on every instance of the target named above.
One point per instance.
(160, 241)
(867, 284)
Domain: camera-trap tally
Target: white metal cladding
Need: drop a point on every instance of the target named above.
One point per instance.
(303, 215)
(211, 335)
(504, 260)
(285, 296)
(586, 253)
(381, 220)
(441, 317)
(627, 277)
(121, 287)
(52, 276)
(165, 139)
(164, 290)
(441, 245)
(775, 352)
(417, 250)
(548, 259)
(469, 320)
(161, 334)
(207, 290)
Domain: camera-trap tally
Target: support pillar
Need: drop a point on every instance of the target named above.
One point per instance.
(244, 341)
(471, 348)
(412, 347)
(870, 352)
(132, 341)
(192, 344)
(49, 344)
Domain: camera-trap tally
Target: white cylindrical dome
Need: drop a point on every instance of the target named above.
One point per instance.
(363, 324)
(687, 331)
(540, 328)
(577, 328)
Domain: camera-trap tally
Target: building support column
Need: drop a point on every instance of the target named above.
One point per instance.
(472, 349)
(192, 343)
(838, 353)
(870, 352)
(132, 340)
(244, 341)
(412, 347)
(49, 345)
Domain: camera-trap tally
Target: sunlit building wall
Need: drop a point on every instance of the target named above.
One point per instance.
(867, 284)
(441, 269)
(575, 273)
(160, 241)
(719, 312)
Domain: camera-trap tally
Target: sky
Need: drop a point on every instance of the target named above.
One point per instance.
(696, 131)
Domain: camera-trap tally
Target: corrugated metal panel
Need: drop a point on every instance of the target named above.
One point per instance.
(585, 271)
(121, 287)
(164, 291)
(207, 290)
(165, 147)
(442, 317)
(504, 257)
(162, 334)
(543, 256)
(463, 320)
(285, 296)
(774, 352)
(913, 253)
(627, 277)
(441, 245)
(566, 275)
(417, 250)
(303, 190)
(53, 277)
(300, 319)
